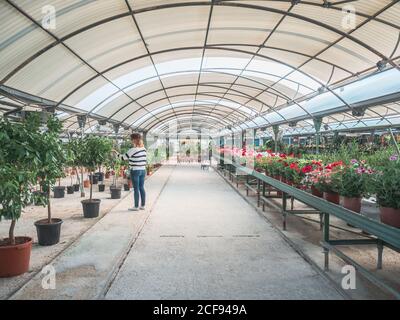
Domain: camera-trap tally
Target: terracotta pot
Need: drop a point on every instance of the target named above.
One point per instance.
(316, 192)
(107, 175)
(332, 197)
(15, 259)
(353, 204)
(86, 183)
(390, 216)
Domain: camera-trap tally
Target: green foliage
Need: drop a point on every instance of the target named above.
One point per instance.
(94, 151)
(19, 164)
(125, 146)
(52, 155)
(73, 152)
(351, 184)
(385, 183)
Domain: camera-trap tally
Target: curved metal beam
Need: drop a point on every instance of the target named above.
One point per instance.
(175, 5)
(168, 117)
(278, 92)
(246, 115)
(225, 115)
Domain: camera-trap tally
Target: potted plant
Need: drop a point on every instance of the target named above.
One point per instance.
(105, 146)
(59, 191)
(70, 161)
(385, 183)
(352, 184)
(73, 153)
(92, 155)
(52, 158)
(115, 189)
(18, 172)
(128, 184)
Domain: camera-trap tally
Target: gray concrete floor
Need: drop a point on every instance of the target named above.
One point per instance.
(203, 241)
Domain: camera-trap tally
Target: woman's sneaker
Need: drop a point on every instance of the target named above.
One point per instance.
(142, 208)
(133, 209)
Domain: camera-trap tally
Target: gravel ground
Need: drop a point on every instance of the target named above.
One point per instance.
(70, 210)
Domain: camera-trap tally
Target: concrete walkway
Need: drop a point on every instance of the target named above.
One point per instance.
(203, 241)
(84, 270)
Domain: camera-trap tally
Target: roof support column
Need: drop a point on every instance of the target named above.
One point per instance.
(233, 146)
(317, 126)
(167, 147)
(144, 137)
(275, 128)
(221, 153)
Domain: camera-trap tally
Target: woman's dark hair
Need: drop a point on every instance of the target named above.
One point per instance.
(137, 139)
(136, 136)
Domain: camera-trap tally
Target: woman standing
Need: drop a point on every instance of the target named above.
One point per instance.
(137, 158)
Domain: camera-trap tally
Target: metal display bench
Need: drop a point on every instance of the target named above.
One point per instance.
(379, 234)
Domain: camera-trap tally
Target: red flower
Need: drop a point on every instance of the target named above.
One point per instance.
(307, 169)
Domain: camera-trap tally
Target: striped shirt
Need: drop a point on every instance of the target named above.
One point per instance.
(137, 158)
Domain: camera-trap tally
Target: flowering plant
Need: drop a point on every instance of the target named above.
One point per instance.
(352, 179)
(385, 183)
(323, 178)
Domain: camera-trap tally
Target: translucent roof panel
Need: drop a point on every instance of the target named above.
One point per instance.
(254, 62)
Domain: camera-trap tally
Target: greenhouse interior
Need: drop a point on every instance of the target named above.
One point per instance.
(199, 150)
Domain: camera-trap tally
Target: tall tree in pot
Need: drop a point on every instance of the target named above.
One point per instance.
(73, 148)
(105, 147)
(92, 155)
(52, 157)
(19, 165)
(71, 160)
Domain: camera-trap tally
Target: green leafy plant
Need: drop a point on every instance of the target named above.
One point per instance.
(92, 154)
(19, 164)
(71, 151)
(352, 180)
(385, 183)
(52, 158)
(105, 147)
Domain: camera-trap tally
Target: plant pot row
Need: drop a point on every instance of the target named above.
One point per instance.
(389, 216)
(17, 257)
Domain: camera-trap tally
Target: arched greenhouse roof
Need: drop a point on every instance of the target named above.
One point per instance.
(211, 65)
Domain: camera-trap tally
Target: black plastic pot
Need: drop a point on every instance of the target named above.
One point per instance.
(91, 208)
(48, 234)
(126, 187)
(115, 193)
(102, 187)
(59, 192)
(95, 179)
(70, 190)
(100, 176)
(77, 187)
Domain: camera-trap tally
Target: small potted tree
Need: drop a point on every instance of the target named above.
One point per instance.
(115, 188)
(52, 158)
(18, 172)
(70, 156)
(73, 152)
(92, 156)
(106, 146)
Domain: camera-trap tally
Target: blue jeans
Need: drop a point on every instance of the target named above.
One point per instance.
(137, 177)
